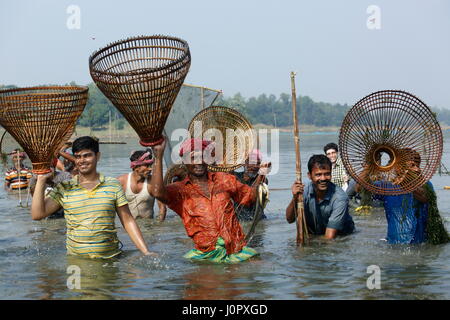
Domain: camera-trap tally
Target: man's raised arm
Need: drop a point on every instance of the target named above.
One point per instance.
(42, 207)
(157, 188)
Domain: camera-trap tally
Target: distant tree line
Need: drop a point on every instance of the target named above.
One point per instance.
(264, 109)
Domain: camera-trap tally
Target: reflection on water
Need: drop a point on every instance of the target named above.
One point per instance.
(33, 260)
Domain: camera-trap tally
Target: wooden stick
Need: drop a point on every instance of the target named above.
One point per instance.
(302, 230)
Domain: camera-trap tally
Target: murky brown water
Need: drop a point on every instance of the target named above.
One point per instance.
(33, 261)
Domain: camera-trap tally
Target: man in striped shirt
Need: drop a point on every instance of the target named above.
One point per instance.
(17, 177)
(90, 201)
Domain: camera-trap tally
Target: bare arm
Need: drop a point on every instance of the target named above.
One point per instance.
(157, 188)
(41, 206)
(67, 156)
(330, 233)
(162, 210)
(132, 228)
(421, 195)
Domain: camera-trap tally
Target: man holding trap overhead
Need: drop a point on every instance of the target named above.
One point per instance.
(90, 201)
(204, 201)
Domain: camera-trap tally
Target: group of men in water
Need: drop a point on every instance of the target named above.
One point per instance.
(210, 204)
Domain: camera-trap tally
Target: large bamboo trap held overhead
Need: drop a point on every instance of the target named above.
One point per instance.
(390, 142)
(231, 132)
(142, 77)
(40, 118)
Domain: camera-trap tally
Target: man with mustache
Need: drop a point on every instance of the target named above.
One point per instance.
(326, 205)
(204, 201)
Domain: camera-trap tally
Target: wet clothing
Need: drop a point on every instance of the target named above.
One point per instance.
(141, 204)
(246, 213)
(60, 176)
(219, 254)
(90, 216)
(206, 219)
(18, 181)
(331, 212)
(406, 217)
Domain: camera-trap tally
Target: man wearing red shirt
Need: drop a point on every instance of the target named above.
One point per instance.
(204, 201)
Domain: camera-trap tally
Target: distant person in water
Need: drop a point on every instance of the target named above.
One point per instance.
(204, 201)
(406, 214)
(326, 205)
(136, 185)
(90, 201)
(248, 177)
(18, 176)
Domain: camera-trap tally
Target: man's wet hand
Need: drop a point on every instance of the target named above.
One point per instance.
(297, 188)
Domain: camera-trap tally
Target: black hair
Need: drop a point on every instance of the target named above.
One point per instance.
(83, 143)
(329, 146)
(319, 160)
(137, 154)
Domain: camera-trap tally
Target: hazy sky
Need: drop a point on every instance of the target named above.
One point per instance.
(247, 46)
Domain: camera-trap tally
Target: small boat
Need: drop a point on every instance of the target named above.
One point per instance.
(447, 188)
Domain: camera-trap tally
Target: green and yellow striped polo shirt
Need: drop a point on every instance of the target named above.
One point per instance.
(90, 216)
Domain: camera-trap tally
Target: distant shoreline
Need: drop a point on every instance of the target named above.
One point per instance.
(128, 132)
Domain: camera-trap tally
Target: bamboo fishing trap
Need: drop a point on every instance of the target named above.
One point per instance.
(39, 118)
(142, 77)
(231, 132)
(383, 134)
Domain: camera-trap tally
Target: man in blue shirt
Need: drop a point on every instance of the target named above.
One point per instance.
(406, 214)
(326, 205)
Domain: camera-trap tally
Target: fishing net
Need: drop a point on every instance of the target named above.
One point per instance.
(230, 130)
(142, 77)
(390, 142)
(38, 118)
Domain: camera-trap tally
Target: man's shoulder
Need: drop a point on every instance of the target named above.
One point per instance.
(112, 181)
(338, 193)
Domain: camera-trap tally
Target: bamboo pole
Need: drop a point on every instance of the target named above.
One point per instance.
(302, 230)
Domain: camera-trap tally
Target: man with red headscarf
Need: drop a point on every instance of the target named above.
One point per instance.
(204, 201)
(137, 187)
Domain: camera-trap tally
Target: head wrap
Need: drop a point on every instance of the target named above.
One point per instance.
(193, 144)
(21, 154)
(142, 160)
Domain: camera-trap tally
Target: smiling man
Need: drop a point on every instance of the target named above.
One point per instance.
(326, 205)
(204, 201)
(90, 201)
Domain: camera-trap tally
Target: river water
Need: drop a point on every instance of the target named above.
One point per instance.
(33, 261)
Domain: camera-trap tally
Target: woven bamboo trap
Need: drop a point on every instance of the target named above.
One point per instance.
(142, 77)
(231, 132)
(176, 170)
(39, 118)
(390, 142)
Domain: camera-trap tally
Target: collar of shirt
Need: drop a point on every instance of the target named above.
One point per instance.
(75, 181)
(328, 195)
(211, 177)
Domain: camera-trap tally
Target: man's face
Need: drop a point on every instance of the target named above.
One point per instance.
(86, 161)
(320, 177)
(17, 159)
(251, 169)
(332, 155)
(143, 171)
(194, 168)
